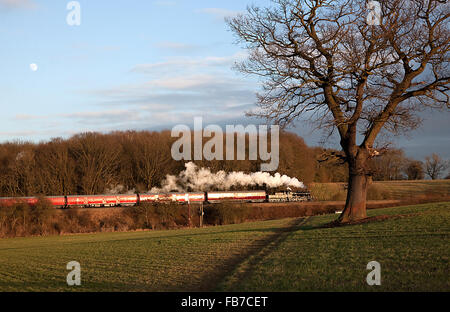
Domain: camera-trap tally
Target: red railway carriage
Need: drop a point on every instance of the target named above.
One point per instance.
(148, 198)
(9, 201)
(101, 200)
(188, 197)
(132, 200)
(59, 201)
(173, 197)
(245, 196)
(128, 200)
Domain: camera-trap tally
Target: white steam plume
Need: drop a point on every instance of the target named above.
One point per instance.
(202, 179)
(119, 189)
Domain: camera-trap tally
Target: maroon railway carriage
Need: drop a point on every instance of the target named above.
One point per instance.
(91, 201)
(101, 200)
(76, 201)
(173, 197)
(9, 201)
(241, 196)
(58, 201)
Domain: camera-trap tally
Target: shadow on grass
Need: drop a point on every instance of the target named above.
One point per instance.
(243, 265)
(373, 219)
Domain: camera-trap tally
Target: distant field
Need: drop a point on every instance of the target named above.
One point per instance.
(278, 255)
(386, 190)
(402, 189)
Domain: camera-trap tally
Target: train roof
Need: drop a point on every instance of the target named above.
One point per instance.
(31, 197)
(251, 191)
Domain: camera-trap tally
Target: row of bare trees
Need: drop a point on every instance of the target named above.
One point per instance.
(93, 163)
(87, 163)
(394, 165)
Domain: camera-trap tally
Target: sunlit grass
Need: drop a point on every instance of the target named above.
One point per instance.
(413, 252)
(138, 261)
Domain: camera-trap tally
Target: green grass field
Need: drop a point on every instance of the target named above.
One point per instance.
(413, 252)
(278, 255)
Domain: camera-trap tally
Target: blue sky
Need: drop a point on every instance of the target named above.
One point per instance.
(134, 65)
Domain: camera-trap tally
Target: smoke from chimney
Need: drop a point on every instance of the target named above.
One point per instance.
(202, 179)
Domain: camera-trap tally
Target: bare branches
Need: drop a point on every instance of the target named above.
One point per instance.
(320, 59)
(435, 166)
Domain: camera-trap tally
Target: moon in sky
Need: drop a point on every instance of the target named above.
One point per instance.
(33, 67)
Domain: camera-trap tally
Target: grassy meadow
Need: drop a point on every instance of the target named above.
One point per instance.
(277, 255)
(412, 249)
(135, 261)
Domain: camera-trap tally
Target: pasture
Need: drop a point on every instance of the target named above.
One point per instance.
(279, 255)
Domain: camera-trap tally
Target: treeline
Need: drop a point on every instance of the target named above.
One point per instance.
(394, 165)
(88, 163)
(94, 163)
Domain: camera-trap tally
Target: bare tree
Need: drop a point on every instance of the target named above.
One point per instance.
(149, 153)
(96, 161)
(388, 166)
(321, 60)
(414, 170)
(435, 166)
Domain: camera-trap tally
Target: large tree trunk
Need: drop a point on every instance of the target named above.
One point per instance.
(355, 206)
(358, 183)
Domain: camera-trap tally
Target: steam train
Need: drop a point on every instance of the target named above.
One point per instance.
(99, 201)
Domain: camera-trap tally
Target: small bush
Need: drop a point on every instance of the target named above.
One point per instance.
(75, 221)
(167, 213)
(156, 216)
(21, 219)
(226, 213)
(41, 216)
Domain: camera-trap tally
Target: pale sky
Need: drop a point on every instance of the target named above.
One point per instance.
(135, 65)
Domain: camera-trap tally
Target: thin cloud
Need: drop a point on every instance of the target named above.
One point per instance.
(170, 92)
(105, 117)
(186, 84)
(188, 63)
(28, 117)
(219, 13)
(17, 4)
(18, 133)
(182, 82)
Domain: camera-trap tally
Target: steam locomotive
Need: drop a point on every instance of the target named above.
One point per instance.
(99, 201)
